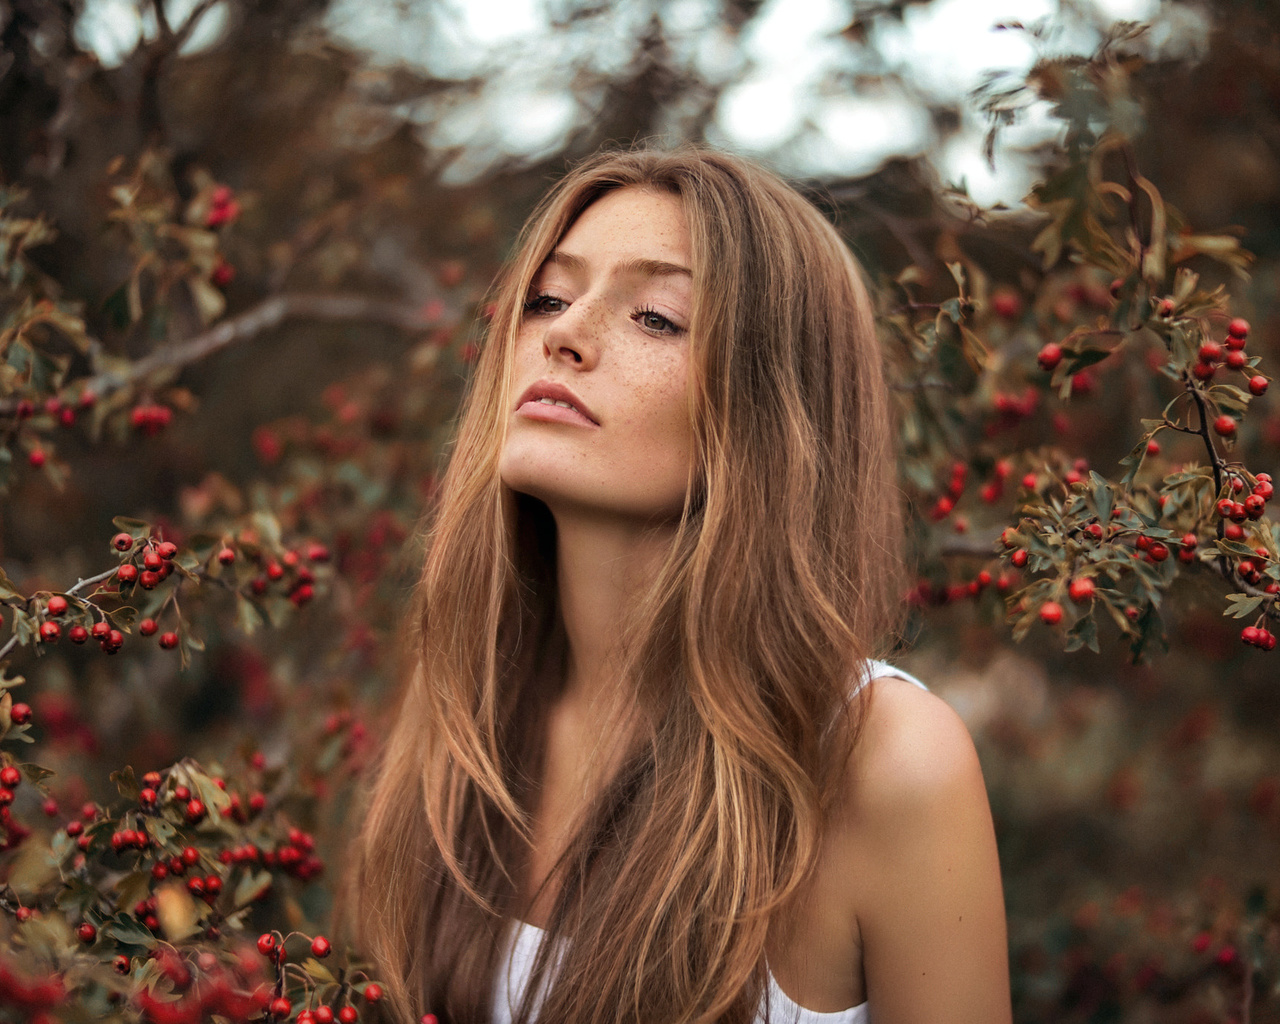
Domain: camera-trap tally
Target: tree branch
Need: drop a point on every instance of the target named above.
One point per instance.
(262, 317)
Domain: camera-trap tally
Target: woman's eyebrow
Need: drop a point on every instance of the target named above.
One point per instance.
(644, 267)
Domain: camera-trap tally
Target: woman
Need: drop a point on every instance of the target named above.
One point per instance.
(643, 772)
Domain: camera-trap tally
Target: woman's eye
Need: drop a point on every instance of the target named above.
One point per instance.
(655, 322)
(544, 304)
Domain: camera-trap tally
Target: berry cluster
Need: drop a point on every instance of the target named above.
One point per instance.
(150, 418)
(333, 1003)
(1258, 636)
(224, 208)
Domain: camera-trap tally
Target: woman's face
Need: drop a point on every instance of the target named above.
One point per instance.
(605, 330)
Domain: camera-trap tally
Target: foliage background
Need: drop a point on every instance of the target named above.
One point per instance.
(1137, 804)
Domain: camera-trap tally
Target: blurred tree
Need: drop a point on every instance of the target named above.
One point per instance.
(239, 300)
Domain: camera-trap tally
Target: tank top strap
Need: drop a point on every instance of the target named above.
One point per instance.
(875, 669)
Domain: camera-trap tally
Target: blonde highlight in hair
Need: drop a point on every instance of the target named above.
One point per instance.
(782, 575)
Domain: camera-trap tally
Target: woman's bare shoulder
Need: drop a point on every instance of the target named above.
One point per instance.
(913, 747)
(917, 836)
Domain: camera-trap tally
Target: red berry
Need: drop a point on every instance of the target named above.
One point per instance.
(226, 556)
(1210, 352)
(323, 1015)
(147, 626)
(37, 458)
(1251, 635)
(1236, 359)
(190, 855)
(20, 714)
(1238, 328)
(1203, 371)
(1006, 303)
(10, 777)
(372, 992)
(1051, 613)
(169, 640)
(77, 634)
(1050, 356)
(148, 580)
(1258, 385)
(153, 561)
(275, 570)
(1094, 530)
(50, 631)
(223, 274)
(1225, 426)
(1153, 447)
(127, 573)
(348, 1015)
(1166, 307)
(320, 947)
(281, 1008)
(1158, 552)
(195, 811)
(1019, 558)
(57, 605)
(1081, 590)
(87, 933)
(122, 541)
(121, 964)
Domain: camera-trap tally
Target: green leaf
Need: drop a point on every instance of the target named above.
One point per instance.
(248, 618)
(1241, 605)
(130, 932)
(161, 831)
(136, 528)
(7, 589)
(126, 782)
(318, 971)
(36, 774)
(131, 889)
(251, 886)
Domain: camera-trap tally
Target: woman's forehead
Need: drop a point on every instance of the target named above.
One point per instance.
(644, 228)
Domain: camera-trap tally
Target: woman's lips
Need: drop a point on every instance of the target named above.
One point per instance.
(536, 409)
(554, 403)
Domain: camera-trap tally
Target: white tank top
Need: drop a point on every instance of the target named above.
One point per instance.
(516, 965)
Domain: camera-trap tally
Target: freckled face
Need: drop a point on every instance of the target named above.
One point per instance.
(600, 420)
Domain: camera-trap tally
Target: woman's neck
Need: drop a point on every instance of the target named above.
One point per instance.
(603, 566)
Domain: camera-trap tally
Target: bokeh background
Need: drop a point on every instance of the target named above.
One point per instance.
(382, 154)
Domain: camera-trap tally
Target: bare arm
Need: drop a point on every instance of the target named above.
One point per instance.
(928, 899)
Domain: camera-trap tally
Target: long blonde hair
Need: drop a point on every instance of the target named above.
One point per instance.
(782, 575)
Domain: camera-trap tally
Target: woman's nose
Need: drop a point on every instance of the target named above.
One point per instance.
(574, 336)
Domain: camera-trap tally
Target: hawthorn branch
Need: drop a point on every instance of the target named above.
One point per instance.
(1215, 459)
(266, 315)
